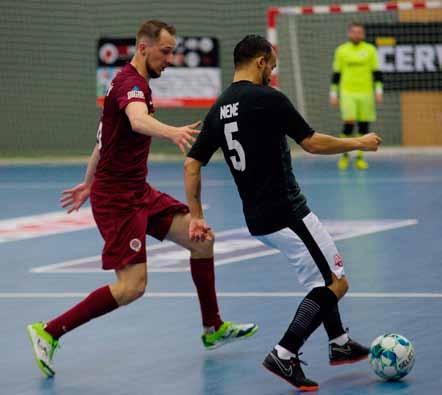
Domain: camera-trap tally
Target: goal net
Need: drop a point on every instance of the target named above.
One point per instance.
(408, 38)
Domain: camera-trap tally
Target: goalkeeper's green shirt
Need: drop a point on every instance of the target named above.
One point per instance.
(356, 64)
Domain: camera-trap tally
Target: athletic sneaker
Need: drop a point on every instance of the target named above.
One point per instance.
(344, 162)
(226, 333)
(350, 352)
(361, 164)
(44, 346)
(289, 370)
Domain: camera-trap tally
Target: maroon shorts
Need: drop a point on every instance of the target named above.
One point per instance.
(124, 220)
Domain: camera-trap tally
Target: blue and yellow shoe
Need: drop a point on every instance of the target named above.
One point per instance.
(344, 162)
(44, 346)
(228, 332)
(361, 163)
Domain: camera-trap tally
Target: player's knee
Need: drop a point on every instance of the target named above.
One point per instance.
(134, 293)
(133, 290)
(339, 286)
(342, 286)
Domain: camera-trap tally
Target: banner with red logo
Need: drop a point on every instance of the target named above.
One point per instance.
(193, 80)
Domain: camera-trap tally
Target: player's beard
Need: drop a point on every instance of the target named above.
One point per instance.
(151, 72)
(265, 79)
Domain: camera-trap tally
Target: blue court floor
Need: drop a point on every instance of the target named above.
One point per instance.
(387, 222)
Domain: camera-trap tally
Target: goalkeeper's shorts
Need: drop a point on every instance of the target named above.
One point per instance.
(358, 107)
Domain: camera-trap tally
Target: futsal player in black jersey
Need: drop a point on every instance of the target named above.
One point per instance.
(250, 122)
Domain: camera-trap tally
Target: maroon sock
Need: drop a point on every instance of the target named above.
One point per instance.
(98, 303)
(203, 274)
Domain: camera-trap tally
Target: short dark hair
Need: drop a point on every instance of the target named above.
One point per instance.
(152, 30)
(250, 47)
(355, 24)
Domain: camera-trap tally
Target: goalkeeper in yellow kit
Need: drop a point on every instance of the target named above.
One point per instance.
(356, 83)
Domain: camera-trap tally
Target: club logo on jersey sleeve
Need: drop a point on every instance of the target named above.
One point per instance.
(135, 93)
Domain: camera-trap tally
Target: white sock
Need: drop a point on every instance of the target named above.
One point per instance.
(340, 340)
(283, 353)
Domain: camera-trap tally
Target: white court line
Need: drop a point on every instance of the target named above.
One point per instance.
(381, 228)
(357, 295)
(229, 182)
(57, 266)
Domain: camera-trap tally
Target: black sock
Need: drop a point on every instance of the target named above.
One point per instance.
(347, 129)
(332, 323)
(308, 317)
(363, 127)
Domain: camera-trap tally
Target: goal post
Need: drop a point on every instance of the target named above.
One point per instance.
(408, 37)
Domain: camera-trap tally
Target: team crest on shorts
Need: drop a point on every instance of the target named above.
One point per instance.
(339, 261)
(135, 245)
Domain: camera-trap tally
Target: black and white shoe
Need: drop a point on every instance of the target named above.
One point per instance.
(350, 352)
(290, 370)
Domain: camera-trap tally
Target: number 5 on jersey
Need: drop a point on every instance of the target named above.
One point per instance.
(235, 145)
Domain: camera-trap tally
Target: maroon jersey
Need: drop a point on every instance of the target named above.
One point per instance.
(123, 153)
(125, 207)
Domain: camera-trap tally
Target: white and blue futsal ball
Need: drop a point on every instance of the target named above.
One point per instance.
(391, 356)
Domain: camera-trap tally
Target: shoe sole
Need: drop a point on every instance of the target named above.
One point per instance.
(348, 361)
(218, 345)
(301, 388)
(44, 369)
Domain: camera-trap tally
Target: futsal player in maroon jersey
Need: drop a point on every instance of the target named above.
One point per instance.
(126, 207)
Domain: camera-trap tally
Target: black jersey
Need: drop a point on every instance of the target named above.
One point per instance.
(250, 123)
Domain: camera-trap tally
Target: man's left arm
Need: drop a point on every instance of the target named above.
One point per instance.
(73, 198)
(318, 143)
(198, 228)
(199, 155)
(324, 144)
(335, 79)
(377, 77)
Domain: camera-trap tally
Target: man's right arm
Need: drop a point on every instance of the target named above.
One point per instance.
(92, 165)
(142, 122)
(324, 144)
(72, 199)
